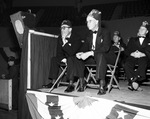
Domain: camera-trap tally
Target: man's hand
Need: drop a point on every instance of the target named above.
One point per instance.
(121, 48)
(137, 54)
(84, 56)
(64, 41)
(142, 54)
(64, 60)
(78, 55)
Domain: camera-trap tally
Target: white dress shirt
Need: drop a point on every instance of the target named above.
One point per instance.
(141, 40)
(94, 41)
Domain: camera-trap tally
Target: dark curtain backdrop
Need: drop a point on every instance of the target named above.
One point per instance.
(42, 49)
(7, 37)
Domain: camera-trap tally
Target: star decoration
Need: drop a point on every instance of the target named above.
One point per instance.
(57, 117)
(121, 114)
(51, 104)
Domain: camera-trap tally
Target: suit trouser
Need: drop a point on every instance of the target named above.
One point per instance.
(101, 61)
(130, 67)
(55, 66)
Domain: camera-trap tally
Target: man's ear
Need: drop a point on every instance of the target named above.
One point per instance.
(70, 29)
(97, 22)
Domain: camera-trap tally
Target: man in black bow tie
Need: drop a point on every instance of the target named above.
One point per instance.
(94, 50)
(137, 51)
(142, 36)
(68, 44)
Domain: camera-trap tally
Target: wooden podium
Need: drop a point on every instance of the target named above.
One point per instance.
(6, 94)
(20, 20)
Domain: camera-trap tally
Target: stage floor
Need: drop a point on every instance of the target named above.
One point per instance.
(124, 95)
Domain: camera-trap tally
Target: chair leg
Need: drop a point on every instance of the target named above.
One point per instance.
(110, 86)
(58, 79)
(91, 71)
(118, 86)
(77, 84)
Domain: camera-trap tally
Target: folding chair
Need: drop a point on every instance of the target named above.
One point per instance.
(90, 68)
(112, 69)
(110, 73)
(63, 68)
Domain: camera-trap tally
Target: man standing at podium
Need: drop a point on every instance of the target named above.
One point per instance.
(13, 73)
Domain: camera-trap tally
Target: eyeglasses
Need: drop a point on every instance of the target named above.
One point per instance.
(63, 28)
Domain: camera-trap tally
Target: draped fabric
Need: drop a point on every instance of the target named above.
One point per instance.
(51, 106)
(42, 49)
(23, 112)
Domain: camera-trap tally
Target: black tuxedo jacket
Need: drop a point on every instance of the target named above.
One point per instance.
(103, 42)
(134, 44)
(70, 48)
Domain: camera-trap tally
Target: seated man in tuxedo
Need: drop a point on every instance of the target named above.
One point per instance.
(137, 52)
(95, 50)
(68, 45)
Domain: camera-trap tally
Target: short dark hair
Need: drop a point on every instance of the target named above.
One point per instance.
(11, 58)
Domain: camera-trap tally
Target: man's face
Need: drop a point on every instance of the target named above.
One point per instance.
(10, 63)
(65, 30)
(92, 23)
(116, 38)
(142, 31)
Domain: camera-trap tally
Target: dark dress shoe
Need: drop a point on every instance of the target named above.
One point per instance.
(133, 86)
(70, 88)
(136, 79)
(101, 91)
(130, 87)
(48, 85)
(82, 87)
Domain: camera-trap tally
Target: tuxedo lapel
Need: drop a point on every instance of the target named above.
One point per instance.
(137, 42)
(90, 40)
(145, 42)
(99, 38)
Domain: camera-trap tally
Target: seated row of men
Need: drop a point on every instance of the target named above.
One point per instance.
(97, 48)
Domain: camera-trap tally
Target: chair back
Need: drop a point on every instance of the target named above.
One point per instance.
(117, 59)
